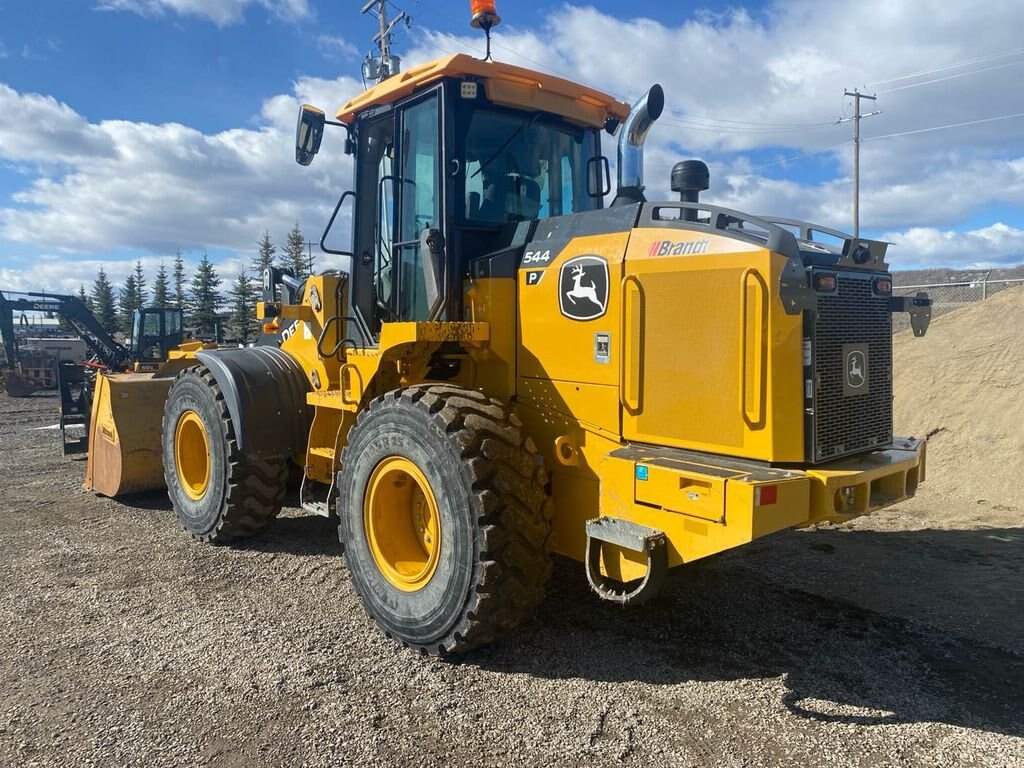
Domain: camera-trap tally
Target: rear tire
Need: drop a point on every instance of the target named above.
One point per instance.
(226, 496)
(487, 508)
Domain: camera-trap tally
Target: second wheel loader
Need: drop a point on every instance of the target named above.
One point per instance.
(500, 368)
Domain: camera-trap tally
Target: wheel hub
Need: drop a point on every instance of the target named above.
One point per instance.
(192, 455)
(402, 524)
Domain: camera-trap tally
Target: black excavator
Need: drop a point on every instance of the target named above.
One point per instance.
(155, 332)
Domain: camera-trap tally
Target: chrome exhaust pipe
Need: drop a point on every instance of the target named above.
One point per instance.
(632, 135)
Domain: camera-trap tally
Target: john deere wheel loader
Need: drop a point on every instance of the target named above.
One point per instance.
(501, 368)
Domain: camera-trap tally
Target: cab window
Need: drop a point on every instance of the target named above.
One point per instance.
(520, 167)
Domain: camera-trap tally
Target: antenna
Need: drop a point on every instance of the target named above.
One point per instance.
(380, 69)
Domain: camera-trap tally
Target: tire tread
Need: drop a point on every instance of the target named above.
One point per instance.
(512, 507)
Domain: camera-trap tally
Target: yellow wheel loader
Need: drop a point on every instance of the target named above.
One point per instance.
(500, 368)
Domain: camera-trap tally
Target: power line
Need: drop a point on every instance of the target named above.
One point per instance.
(953, 77)
(944, 127)
(819, 150)
(809, 153)
(955, 65)
(707, 128)
(782, 160)
(690, 116)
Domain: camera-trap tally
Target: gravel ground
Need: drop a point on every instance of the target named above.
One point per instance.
(895, 640)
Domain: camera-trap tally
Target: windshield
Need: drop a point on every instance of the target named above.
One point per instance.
(521, 168)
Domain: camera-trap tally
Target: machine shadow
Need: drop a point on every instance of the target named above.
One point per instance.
(291, 533)
(302, 535)
(148, 501)
(731, 618)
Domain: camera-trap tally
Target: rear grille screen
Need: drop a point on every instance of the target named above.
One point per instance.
(848, 370)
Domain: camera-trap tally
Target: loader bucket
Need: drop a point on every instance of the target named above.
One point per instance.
(18, 385)
(125, 453)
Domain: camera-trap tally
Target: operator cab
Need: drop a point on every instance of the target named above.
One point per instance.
(449, 165)
(155, 332)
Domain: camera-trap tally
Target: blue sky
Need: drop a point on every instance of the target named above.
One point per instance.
(130, 127)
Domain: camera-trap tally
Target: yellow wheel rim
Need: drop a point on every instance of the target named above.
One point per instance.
(402, 524)
(192, 455)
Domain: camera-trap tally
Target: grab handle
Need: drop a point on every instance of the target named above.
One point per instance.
(754, 418)
(631, 370)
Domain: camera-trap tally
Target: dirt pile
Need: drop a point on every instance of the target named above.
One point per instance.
(963, 383)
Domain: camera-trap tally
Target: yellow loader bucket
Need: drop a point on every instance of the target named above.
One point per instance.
(125, 454)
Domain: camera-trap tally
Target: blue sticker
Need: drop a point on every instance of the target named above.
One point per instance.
(641, 472)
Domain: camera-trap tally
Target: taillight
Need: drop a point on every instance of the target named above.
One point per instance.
(765, 495)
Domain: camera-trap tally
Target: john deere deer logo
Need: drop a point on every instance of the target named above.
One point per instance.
(583, 288)
(855, 372)
(855, 369)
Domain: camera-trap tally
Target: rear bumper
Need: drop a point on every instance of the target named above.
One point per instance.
(847, 488)
(707, 504)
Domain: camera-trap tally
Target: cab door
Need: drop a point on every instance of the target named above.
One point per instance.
(418, 260)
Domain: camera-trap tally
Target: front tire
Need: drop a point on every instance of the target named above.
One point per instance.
(219, 494)
(444, 517)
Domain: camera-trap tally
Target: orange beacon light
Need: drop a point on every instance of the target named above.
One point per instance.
(485, 14)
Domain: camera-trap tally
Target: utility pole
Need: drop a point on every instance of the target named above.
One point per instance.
(857, 96)
(388, 65)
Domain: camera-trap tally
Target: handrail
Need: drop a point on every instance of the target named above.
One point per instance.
(330, 223)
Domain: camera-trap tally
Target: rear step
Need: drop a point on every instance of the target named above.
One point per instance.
(632, 536)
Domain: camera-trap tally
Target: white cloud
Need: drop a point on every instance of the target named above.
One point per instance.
(336, 47)
(122, 185)
(220, 12)
(994, 246)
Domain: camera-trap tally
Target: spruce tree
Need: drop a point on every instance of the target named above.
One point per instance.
(129, 302)
(243, 307)
(161, 288)
(264, 256)
(103, 302)
(205, 300)
(179, 281)
(295, 253)
(84, 297)
(140, 285)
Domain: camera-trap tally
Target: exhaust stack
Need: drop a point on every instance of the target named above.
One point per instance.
(631, 146)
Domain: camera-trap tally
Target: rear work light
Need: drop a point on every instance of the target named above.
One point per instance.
(825, 282)
(883, 286)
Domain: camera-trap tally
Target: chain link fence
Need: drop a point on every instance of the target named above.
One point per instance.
(949, 296)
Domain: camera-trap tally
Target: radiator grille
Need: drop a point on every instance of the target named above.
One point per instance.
(850, 321)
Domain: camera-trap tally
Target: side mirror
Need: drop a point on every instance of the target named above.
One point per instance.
(308, 134)
(599, 177)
